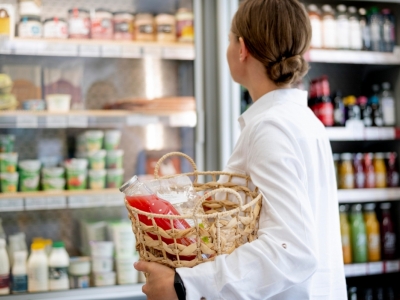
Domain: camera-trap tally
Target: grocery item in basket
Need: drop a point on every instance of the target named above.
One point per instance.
(9, 182)
(112, 138)
(115, 178)
(114, 159)
(7, 143)
(29, 175)
(97, 179)
(94, 140)
(76, 173)
(8, 162)
(97, 159)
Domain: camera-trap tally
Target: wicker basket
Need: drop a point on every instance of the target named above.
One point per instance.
(225, 225)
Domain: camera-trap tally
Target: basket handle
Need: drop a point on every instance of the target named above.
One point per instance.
(160, 161)
(213, 192)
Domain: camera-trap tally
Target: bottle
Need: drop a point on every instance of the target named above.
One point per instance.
(343, 27)
(345, 234)
(58, 268)
(369, 294)
(380, 170)
(359, 174)
(373, 101)
(336, 159)
(316, 26)
(352, 110)
(358, 235)
(373, 233)
(388, 236)
(369, 171)
(338, 110)
(388, 32)
(387, 102)
(19, 273)
(4, 269)
(375, 24)
(323, 109)
(366, 111)
(38, 272)
(366, 35)
(355, 29)
(329, 39)
(346, 172)
(352, 292)
(392, 172)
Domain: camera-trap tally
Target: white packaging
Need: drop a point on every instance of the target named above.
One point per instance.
(123, 238)
(126, 273)
(102, 265)
(4, 269)
(101, 249)
(58, 102)
(58, 268)
(19, 273)
(104, 279)
(79, 266)
(38, 272)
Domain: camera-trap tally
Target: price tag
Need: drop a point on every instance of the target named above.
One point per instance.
(111, 51)
(14, 204)
(78, 121)
(60, 49)
(186, 53)
(375, 268)
(35, 203)
(348, 270)
(131, 51)
(392, 266)
(89, 50)
(56, 202)
(27, 121)
(78, 201)
(155, 52)
(372, 133)
(115, 200)
(56, 122)
(187, 119)
(140, 120)
(359, 269)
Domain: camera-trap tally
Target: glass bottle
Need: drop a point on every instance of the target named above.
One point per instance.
(339, 110)
(359, 174)
(392, 172)
(369, 171)
(352, 110)
(358, 235)
(380, 170)
(373, 233)
(345, 234)
(316, 26)
(366, 35)
(375, 24)
(373, 101)
(366, 111)
(355, 29)
(352, 293)
(388, 235)
(346, 172)
(388, 30)
(343, 27)
(329, 39)
(387, 102)
(324, 108)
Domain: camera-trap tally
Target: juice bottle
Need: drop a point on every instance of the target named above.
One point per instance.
(380, 170)
(373, 237)
(346, 172)
(388, 236)
(369, 171)
(358, 235)
(359, 174)
(345, 234)
(392, 172)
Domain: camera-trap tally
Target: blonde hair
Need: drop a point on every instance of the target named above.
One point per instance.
(277, 33)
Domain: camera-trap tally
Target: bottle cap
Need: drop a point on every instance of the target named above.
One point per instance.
(341, 8)
(352, 9)
(356, 207)
(369, 206)
(343, 208)
(58, 244)
(336, 156)
(327, 8)
(37, 246)
(312, 7)
(386, 86)
(128, 184)
(346, 156)
(350, 100)
(385, 205)
(362, 100)
(2, 243)
(362, 11)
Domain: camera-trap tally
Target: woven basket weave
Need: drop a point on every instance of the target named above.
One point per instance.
(225, 225)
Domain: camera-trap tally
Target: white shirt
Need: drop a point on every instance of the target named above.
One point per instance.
(298, 254)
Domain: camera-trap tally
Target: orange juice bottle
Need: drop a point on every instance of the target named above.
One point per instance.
(373, 237)
(380, 170)
(345, 233)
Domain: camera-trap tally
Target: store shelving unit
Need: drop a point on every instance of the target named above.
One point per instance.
(357, 133)
(368, 195)
(372, 268)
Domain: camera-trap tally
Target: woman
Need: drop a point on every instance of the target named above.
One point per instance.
(285, 150)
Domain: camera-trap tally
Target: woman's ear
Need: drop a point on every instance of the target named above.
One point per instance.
(243, 54)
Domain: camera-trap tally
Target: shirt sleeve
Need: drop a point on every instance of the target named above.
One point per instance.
(285, 252)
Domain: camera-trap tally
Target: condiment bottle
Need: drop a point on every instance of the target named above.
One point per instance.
(38, 273)
(366, 35)
(373, 233)
(144, 27)
(387, 102)
(380, 170)
(388, 236)
(355, 29)
(58, 268)
(369, 171)
(329, 39)
(339, 110)
(392, 172)
(19, 273)
(366, 111)
(343, 27)
(359, 174)
(358, 235)
(166, 28)
(346, 172)
(345, 234)
(316, 26)
(373, 101)
(4, 269)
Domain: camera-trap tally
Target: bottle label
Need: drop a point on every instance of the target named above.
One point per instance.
(373, 242)
(345, 240)
(380, 180)
(324, 112)
(4, 281)
(389, 243)
(58, 273)
(360, 180)
(19, 283)
(347, 181)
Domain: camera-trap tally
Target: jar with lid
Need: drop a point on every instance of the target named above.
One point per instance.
(144, 27)
(30, 27)
(329, 39)
(380, 170)
(369, 171)
(355, 29)
(166, 28)
(79, 23)
(123, 25)
(185, 25)
(346, 172)
(102, 24)
(316, 26)
(55, 28)
(343, 27)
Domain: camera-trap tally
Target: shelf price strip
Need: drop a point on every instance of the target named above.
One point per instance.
(372, 268)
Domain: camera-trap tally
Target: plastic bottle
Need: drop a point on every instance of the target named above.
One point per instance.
(359, 174)
(366, 111)
(316, 26)
(358, 235)
(339, 110)
(345, 234)
(346, 172)
(343, 27)
(58, 268)
(369, 171)
(38, 272)
(375, 24)
(373, 233)
(365, 31)
(388, 30)
(392, 171)
(329, 39)
(388, 236)
(380, 170)
(355, 29)
(373, 101)
(19, 273)
(387, 102)
(4, 269)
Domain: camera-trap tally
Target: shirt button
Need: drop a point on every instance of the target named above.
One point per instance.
(284, 246)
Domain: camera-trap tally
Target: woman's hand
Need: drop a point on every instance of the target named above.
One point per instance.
(160, 281)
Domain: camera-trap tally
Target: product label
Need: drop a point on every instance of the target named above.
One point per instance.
(389, 243)
(4, 281)
(19, 283)
(380, 180)
(373, 242)
(58, 273)
(346, 181)
(164, 28)
(345, 240)
(324, 112)
(147, 29)
(360, 180)
(173, 198)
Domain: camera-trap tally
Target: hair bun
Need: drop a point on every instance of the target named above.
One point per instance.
(287, 70)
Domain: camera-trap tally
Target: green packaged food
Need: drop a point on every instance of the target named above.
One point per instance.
(29, 175)
(8, 162)
(76, 174)
(94, 140)
(53, 184)
(112, 139)
(56, 172)
(115, 178)
(114, 159)
(9, 182)
(97, 160)
(7, 143)
(97, 179)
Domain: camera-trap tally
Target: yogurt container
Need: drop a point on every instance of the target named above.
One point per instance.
(29, 175)
(53, 184)
(112, 139)
(114, 159)
(76, 174)
(9, 182)
(79, 270)
(104, 279)
(8, 162)
(94, 140)
(56, 172)
(102, 265)
(6, 143)
(97, 179)
(126, 273)
(115, 178)
(101, 249)
(97, 159)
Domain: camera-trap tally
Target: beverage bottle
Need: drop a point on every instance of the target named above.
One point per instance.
(4, 269)
(38, 272)
(324, 108)
(141, 197)
(392, 172)
(359, 174)
(388, 30)
(58, 267)
(358, 235)
(355, 29)
(343, 27)
(388, 236)
(369, 171)
(316, 26)
(387, 102)
(366, 35)
(352, 110)
(369, 294)
(329, 39)
(352, 293)
(346, 172)
(373, 101)
(373, 233)
(366, 111)
(380, 170)
(339, 110)
(19, 273)
(345, 234)
(375, 25)
(336, 159)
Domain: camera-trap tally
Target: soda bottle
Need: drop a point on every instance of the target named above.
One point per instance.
(388, 236)
(373, 237)
(358, 235)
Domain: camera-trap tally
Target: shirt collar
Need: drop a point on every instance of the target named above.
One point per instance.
(268, 100)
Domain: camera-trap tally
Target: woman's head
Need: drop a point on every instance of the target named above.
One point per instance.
(276, 33)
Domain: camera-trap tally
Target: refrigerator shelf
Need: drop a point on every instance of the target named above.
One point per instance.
(362, 133)
(372, 268)
(368, 195)
(97, 48)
